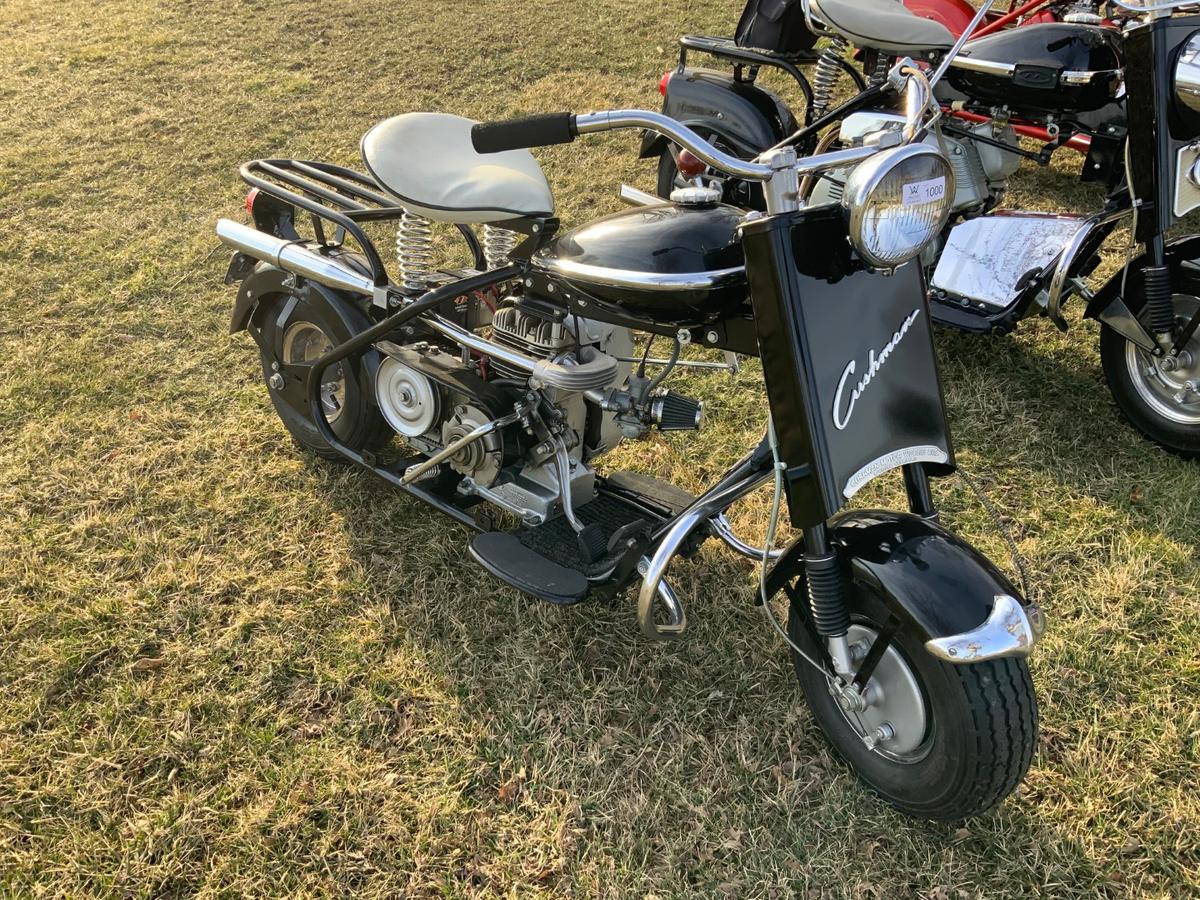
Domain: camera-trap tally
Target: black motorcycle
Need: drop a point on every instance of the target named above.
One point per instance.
(1128, 97)
(508, 380)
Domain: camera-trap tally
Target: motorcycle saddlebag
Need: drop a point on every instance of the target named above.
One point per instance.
(776, 26)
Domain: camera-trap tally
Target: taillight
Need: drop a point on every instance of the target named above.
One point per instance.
(664, 81)
(250, 198)
(689, 166)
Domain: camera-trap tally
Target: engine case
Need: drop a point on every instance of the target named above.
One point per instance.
(974, 177)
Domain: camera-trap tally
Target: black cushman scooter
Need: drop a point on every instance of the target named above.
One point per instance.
(507, 381)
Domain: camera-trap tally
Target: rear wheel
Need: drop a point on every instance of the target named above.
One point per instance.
(292, 337)
(1159, 395)
(937, 741)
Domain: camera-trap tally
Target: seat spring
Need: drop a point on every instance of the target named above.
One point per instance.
(498, 243)
(414, 252)
(825, 74)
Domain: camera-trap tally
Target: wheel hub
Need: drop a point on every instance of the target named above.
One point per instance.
(889, 714)
(303, 344)
(1170, 385)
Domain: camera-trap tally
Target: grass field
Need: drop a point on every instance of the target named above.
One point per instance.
(228, 670)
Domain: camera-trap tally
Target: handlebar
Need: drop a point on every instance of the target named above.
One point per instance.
(527, 131)
(562, 128)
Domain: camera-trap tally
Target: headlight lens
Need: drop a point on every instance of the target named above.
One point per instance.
(898, 201)
(1187, 74)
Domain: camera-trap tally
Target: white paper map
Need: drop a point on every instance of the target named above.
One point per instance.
(985, 258)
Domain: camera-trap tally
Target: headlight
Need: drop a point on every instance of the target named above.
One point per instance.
(1187, 74)
(898, 201)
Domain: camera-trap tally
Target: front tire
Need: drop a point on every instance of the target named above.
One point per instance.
(1159, 397)
(962, 753)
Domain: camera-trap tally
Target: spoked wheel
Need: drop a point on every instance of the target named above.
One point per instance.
(1159, 395)
(293, 337)
(937, 741)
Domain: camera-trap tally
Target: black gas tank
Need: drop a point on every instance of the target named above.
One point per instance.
(669, 263)
(1050, 67)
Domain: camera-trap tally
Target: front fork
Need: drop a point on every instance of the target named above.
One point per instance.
(826, 602)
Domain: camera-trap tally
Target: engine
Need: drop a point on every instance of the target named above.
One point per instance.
(434, 397)
(980, 169)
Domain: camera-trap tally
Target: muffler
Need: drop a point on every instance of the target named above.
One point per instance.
(293, 257)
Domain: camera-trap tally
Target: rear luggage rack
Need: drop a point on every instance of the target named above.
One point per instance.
(338, 195)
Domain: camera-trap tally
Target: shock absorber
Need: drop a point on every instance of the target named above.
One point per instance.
(825, 601)
(1157, 283)
(498, 243)
(414, 252)
(825, 74)
(883, 65)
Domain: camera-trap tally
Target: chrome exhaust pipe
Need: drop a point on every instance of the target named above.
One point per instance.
(293, 257)
(597, 372)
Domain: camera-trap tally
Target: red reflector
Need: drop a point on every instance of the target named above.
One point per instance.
(250, 198)
(662, 83)
(689, 165)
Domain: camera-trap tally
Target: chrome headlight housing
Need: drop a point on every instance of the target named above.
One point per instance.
(1187, 74)
(898, 201)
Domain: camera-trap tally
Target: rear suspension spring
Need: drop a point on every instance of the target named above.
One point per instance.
(498, 244)
(825, 74)
(414, 252)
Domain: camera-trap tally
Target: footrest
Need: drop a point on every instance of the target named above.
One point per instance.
(517, 565)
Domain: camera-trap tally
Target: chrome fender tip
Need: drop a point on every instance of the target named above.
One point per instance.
(1010, 630)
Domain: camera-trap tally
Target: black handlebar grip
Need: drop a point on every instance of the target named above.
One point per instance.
(529, 131)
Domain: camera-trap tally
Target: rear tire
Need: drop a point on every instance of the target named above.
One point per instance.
(312, 328)
(980, 722)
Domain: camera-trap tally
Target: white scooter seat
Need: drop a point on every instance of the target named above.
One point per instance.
(883, 25)
(427, 162)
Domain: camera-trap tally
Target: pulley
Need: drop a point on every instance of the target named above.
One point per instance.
(408, 400)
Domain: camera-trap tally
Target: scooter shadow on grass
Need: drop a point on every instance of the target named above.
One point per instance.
(595, 713)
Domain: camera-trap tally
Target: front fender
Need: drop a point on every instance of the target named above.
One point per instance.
(928, 577)
(1183, 259)
(749, 117)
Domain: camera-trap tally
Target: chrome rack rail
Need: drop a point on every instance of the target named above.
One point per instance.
(338, 195)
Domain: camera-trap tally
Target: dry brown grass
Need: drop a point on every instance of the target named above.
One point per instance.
(228, 670)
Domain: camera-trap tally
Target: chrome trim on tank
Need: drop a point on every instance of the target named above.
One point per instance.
(644, 281)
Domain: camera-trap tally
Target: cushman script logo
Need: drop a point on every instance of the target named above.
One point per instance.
(843, 409)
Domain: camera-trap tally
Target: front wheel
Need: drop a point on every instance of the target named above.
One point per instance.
(1160, 396)
(937, 741)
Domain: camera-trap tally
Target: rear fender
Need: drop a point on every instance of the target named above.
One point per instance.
(266, 280)
(263, 281)
(930, 579)
(749, 117)
(956, 15)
